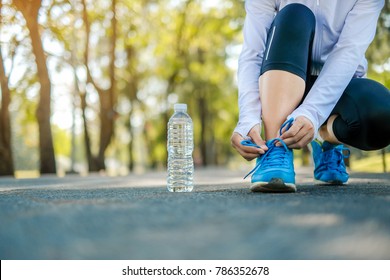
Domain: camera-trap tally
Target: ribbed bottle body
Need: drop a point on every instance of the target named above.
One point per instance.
(180, 147)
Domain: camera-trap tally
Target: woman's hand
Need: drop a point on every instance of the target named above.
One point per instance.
(246, 152)
(299, 134)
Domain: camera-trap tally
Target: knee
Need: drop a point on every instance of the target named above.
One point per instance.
(298, 18)
(376, 115)
(373, 102)
(364, 111)
(378, 128)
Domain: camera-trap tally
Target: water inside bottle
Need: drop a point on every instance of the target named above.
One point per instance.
(180, 162)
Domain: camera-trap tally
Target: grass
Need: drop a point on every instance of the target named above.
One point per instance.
(24, 174)
(370, 164)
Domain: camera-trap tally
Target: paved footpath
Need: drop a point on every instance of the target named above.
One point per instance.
(134, 217)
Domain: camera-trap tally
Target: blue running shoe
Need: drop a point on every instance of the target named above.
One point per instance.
(274, 170)
(329, 166)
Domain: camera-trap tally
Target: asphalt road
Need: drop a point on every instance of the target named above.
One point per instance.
(134, 217)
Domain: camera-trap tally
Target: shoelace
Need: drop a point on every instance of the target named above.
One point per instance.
(332, 158)
(274, 156)
(287, 124)
(279, 153)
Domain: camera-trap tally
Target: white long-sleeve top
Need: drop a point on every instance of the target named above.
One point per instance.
(344, 30)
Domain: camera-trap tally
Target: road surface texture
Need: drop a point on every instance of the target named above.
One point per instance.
(134, 217)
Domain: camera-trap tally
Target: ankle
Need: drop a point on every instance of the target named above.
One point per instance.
(326, 131)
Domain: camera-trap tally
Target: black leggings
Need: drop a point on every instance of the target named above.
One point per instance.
(363, 110)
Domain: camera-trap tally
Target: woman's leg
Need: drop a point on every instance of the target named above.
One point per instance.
(285, 65)
(280, 94)
(361, 117)
(282, 86)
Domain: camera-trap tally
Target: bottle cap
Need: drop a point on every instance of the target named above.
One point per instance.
(180, 107)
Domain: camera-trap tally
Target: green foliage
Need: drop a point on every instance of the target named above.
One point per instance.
(378, 53)
(167, 51)
(62, 141)
(191, 55)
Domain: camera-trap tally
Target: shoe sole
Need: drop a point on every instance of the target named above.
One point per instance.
(273, 186)
(330, 183)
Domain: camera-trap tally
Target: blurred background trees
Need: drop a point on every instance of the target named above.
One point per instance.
(6, 158)
(90, 85)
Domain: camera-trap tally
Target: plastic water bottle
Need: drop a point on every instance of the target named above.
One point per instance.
(180, 146)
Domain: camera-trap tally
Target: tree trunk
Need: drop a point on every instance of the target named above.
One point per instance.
(92, 167)
(131, 144)
(43, 113)
(203, 119)
(107, 115)
(107, 97)
(130, 127)
(305, 156)
(347, 160)
(30, 10)
(131, 93)
(6, 162)
(384, 164)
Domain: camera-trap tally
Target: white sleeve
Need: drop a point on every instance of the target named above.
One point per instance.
(259, 17)
(342, 63)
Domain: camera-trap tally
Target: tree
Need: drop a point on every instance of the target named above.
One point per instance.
(148, 54)
(6, 162)
(30, 10)
(130, 75)
(378, 55)
(195, 70)
(107, 96)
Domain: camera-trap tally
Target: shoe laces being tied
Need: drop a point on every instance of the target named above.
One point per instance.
(333, 158)
(275, 156)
